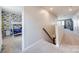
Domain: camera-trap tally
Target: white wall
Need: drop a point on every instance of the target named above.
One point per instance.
(0, 31)
(59, 34)
(35, 19)
(76, 22)
(60, 29)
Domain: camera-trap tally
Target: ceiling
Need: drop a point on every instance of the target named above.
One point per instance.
(54, 10)
(62, 10)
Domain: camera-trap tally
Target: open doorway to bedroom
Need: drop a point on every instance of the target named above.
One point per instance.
(11, 29)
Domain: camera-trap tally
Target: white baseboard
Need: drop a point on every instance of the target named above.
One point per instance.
(25, 49)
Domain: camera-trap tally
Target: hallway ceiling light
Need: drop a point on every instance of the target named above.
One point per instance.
(51, 9)
(70, 9)
(44, 12)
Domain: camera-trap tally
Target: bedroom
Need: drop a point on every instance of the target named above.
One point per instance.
(11, 18)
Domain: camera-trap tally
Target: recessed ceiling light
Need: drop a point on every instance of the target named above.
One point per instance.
(70, 9)
(51, 9)
(43, 11)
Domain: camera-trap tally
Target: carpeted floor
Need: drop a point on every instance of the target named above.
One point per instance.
(12, 44)
(69, 44)
(45, 47)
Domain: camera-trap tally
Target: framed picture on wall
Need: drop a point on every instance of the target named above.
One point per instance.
(68, 24)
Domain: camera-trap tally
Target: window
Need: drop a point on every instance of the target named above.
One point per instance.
(60, 22)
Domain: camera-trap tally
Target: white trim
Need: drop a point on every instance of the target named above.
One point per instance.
(23, 29)
(30, 46)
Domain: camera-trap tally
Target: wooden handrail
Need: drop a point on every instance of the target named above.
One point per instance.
(49, 36)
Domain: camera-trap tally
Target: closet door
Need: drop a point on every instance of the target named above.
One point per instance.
(0, 31)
